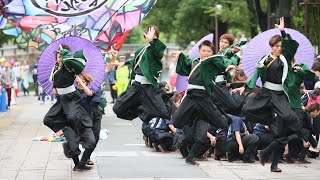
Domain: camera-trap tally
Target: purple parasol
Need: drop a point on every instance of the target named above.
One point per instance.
(259, 46)
(182, 81)
(95, 65)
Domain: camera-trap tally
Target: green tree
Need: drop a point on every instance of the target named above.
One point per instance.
(135, 36)
(5, 39)
(185, 21)
(313, 33)
(235, 15)
(161, 15)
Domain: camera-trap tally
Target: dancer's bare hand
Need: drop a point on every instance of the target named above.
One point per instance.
(119, 64)
(114, 53)
(150, 35)
(175, 53)
(230, 67)
(297, 68)
(79, 81)
(280, 26)
(109, 66)
(240, 90)
(55, 92)
(235, 49)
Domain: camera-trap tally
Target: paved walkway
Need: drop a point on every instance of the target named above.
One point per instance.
(122, 156)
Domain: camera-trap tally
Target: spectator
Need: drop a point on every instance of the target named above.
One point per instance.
(17, 74)
(240, 143)
(7, 82)
(122, 76)
(35, 79)
(24, 77)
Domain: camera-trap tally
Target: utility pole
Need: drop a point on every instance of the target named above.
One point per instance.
(306, 18)
(216, 34)
(216, 26)
(268, 15)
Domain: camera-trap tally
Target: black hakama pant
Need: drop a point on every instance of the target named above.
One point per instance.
(145, 95)
(197, 104)
(230, 103)
(68, 115)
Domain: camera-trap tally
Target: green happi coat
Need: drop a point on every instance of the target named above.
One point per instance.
(297, 79)
(209, 68)
(289, 48)
(150, 64)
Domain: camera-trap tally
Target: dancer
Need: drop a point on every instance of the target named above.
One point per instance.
(274, 70)
(230, 103)
(197, 103)
(144, 91)
(66, 113)
(90, 101)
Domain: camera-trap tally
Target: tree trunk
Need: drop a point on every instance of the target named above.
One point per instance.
(262, 17)
(253, 19)
(285, 11)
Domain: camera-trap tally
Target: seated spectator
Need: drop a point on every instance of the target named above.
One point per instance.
(219, 140)
(160, 135)
(197, 142)
(240, 144)
(314, 111)
(314, 96)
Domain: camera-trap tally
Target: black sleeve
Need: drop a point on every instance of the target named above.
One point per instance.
(283, 34)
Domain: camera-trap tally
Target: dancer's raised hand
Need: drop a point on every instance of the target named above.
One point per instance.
(175, 53)
(240, 90)
(280, 26)
(150, 35)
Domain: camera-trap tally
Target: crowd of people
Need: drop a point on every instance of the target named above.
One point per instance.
(14, 79)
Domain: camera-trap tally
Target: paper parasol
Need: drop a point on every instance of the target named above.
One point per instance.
(182, 81)
(95, 65)
(11, 61)
(259, 46)
(3, 59)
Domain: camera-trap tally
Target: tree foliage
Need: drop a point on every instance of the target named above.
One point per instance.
(313, 33)
(185, 21)
(4, 39)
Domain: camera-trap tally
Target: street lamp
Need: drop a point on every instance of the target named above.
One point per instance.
(218, 12)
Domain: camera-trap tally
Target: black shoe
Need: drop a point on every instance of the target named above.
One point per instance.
(162, 149)
(190, 160)
(230, 158)
(303, 161)
(155, 146)
(66, 149)
(183, 152)
(289, 160)
(261, 157)
(248, 160)
(90, 163)
(201, 159)
(82, 167)
(275, 169)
